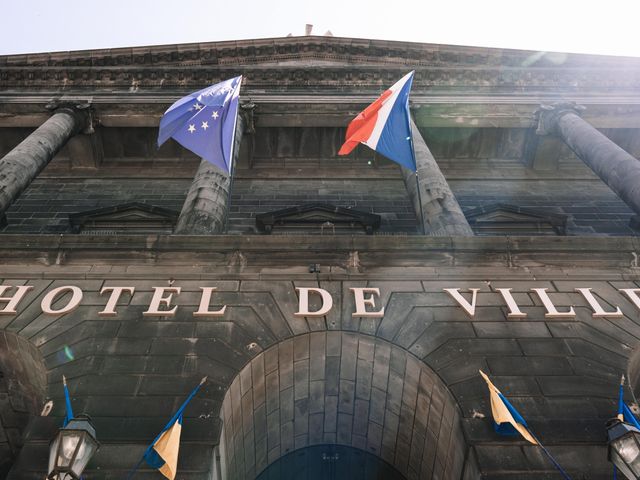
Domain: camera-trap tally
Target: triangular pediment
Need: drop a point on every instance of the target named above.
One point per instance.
(130, 217)
(504, 219)
(319, 215)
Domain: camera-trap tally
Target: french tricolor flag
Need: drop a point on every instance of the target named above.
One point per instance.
(385, 127)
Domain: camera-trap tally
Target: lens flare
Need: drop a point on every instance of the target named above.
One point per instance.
(68, 352)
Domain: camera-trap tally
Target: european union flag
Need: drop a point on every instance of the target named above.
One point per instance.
(205, 122)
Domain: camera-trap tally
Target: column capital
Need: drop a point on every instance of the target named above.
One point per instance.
(547, 116)
(81, 110)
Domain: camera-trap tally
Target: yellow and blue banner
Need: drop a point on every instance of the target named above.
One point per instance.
(507, 420)
(162, 454)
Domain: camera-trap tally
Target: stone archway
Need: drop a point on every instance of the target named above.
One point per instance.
(346, 389)
(23, 381)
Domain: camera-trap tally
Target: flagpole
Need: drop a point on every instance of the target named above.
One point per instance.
(232, 166)
(413, 150)
(620, 415)
(226, 213)
(621, 400)
(67, 401)
(553, 460)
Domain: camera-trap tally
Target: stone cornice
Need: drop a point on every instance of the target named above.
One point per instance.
(318, 48)
(302, 77)
(301, 63)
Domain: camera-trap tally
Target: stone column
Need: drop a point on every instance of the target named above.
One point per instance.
(205, 209)
(619, 170)
(21, 165)
(442, 215)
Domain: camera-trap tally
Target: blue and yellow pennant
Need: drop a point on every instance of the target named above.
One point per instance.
(67, 402)
(162, 454)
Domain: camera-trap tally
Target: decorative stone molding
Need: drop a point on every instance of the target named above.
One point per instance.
(128, 217)
(502, 219)
(81, 110)
(321, 215)
(303, 75)
(547, 116)
(329, 61)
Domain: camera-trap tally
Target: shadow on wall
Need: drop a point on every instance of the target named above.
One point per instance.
(23, 383)
(330, 462)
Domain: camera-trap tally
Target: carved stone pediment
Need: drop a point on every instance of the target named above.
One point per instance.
(125, 218)
(504, 219)
(327, 218)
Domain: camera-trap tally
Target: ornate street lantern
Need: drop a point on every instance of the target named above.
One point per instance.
(72, 449)
(624, 448)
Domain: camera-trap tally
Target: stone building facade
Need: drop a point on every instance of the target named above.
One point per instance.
(340, 317)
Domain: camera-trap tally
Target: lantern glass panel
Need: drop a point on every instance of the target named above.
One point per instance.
(70, 441)
(628, 450)
(622, 467)
(53, 452)
(85, 451)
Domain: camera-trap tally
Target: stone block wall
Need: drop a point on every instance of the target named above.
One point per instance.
(131, 372)
(386, 197)
(346, 389)
(293, 166)
(46, 204)
(22, 392)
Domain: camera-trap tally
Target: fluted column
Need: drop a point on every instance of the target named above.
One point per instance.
(618, 169)
(205, 209)
(436, 203)
(21, 165)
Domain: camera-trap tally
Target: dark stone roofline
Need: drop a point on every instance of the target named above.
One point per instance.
(211, 52)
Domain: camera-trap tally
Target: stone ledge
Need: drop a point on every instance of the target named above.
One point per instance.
(326, 243)
(398, 257)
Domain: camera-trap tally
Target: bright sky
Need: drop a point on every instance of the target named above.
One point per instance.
(587, 26)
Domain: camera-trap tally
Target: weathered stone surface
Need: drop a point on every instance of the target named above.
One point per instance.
(411, 377)
(22, 393)
(205, 210)
(394, 431)
(612, 164)
(22, 164)
(433, 201)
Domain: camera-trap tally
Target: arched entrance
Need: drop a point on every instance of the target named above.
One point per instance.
(330, 462)
(346, 389)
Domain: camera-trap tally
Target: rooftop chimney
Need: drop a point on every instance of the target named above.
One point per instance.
(307, 29)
